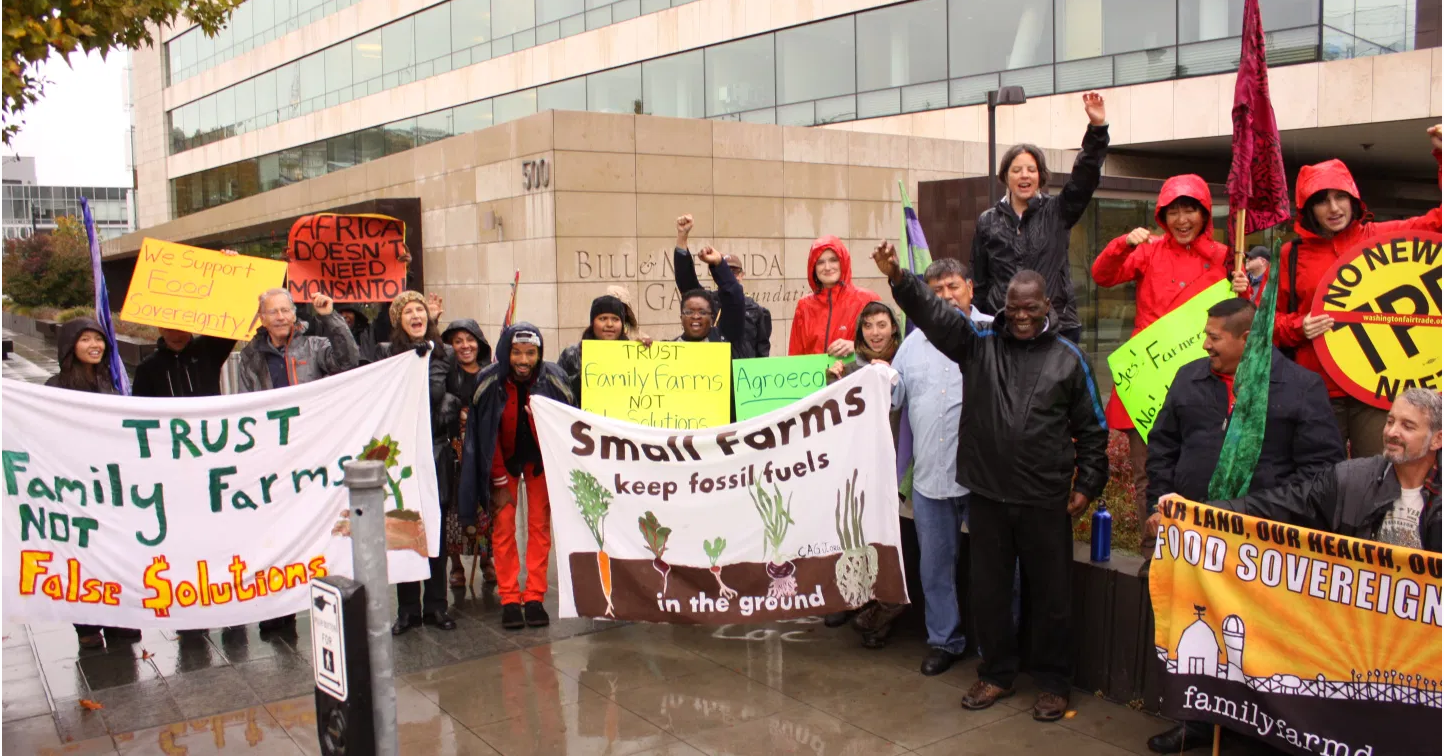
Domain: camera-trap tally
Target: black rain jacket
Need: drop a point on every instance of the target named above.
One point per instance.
(193, 371)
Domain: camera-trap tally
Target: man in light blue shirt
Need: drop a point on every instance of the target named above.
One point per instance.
(931, 387)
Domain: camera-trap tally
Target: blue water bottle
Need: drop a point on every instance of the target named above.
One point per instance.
(1102, 546)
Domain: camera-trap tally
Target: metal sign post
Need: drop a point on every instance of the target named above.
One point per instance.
(364, 480)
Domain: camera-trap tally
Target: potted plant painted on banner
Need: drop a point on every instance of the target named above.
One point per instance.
(857, 568)
(405, 530)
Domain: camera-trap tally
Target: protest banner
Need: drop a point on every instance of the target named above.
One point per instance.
(671, 384)
(1143, 368)
(211, 511)
(1384, 298)
(198, 290)
(764, 384)
(350, 258)
(1343, 643)
(790, 515)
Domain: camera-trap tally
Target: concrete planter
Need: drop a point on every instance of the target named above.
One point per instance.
(131, 349)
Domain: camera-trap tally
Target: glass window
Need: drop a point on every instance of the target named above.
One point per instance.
(511, 16)
(598, 18)
(288, 91)
(672, 86)
(263, 14)
(207, 124)
(615, 91)
(1088, 29)
(740, 76)
(266, 99)
(366, 57)
(563, 95)
(815, 61)
(433, 127)
(573, 25)
(186, 45)
(982, 40)
(291, 165)
(1201, 20)
(513, 106)
(370, 144)
(904, 44)
(245, 104)
(312, 75)
(338, 67)
(626, 10)
(340, 152)
(472, 116)
(555, 10)
(470, 23)
(241, 22)
(399, 136)
(398, 45)
(433, 37)
(313, 159)
(226, 111)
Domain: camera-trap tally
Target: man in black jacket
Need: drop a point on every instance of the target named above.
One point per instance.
(183, 364)
(1301, 439)
(1392, 498)
(756, 338)
(1033, 450)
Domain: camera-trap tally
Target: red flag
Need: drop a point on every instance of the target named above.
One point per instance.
(1256, 181)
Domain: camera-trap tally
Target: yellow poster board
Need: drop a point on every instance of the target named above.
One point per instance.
(198, 290)
(671, 384)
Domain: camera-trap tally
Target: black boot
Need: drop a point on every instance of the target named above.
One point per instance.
(511, 617)
(403, 625)
(536, 614)
(1185, 737)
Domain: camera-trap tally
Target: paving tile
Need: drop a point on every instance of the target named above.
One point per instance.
(912, 711)
(114, 669)
(252, 731)
(593, 725)
(1112, 723)
(63, 679)
(24, 699)
(188, 653)
(102, 746)
(29, 735)
(463, 743)
(243, 644)
(211, 691)
(137, 706)
(278, 677)
(77, 723)
(499, 688)
(704, 701)
(1018, 733)
(611, 669)
(672, 749)
(794, 731)
(412, 652)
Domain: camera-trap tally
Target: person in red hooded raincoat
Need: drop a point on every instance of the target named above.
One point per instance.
(1168, 270)
(1332, 221)
(825, 320)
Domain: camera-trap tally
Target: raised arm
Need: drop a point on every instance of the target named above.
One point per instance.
(1122, 261)
(949, 330)
(733, 318)
(337, 353)
(1088, 166)
(682, 270)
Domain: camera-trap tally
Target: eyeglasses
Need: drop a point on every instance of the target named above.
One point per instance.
(696, 313)
(278, 311)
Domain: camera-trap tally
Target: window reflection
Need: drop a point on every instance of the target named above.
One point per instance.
(740, 76)
(904, 44)
(816, 61)
(982, 39)
(672, 86)
(1088, 29)
(615, 91)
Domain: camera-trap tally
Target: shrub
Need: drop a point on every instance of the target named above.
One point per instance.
(49, 269)
(1118, 495)
(72, 313)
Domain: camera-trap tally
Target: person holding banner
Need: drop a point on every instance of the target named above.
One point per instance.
(413, 320)
(1392, 498)
(473, 352)
(1167, 270)
(700, 311)
(611, 320)
(1030, 229)
(825, 320)
(757, 326)
(1300, 440)
(1332, 220)
(500, 455)
(184, 363)
(1033, 451)
(83, 350)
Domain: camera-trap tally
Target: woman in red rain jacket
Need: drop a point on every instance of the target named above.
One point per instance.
(1169, 270)
(825, 319)
(1332, 221)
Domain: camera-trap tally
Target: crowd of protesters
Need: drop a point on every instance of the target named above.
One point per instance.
(992, 379)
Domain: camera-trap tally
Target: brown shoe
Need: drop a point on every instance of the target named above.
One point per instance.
(984, 694)
(1049, 707)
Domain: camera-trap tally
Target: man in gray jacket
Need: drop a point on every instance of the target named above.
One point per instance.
(281, 355)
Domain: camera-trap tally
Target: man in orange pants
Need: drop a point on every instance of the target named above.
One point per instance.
(502, 454)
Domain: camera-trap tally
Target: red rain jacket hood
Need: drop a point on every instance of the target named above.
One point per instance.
(1167, 273)
(1316, 254)
(826, 315)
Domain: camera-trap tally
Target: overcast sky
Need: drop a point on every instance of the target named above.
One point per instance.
(79, 132)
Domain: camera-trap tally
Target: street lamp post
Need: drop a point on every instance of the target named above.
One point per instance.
(1003, 96)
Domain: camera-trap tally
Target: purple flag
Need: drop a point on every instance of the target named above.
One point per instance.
(102, 304)
(1256, 180)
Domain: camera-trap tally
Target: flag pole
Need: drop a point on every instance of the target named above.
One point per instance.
(1238, 240)
(1217, 738)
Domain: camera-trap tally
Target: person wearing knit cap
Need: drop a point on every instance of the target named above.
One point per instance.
(611, 319)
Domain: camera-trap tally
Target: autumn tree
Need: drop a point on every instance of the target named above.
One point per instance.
(36, 29)
(50, 269)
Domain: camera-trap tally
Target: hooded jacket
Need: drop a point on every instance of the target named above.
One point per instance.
(308, 358)
(484, 418)
(193, 371)
(1317, 254)
(1300, 436)
(1167, 273)
(859, 345)
(827, 315)
(1349, 499)
(1033, 430)
(461, 383)
(756, 329)
(65, 341)
(361, 332)
(445, 408)
(1004, 243)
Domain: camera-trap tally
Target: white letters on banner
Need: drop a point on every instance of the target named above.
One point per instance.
(789, 514)
(210, 511)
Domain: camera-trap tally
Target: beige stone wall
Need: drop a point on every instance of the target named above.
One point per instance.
(617, 185)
